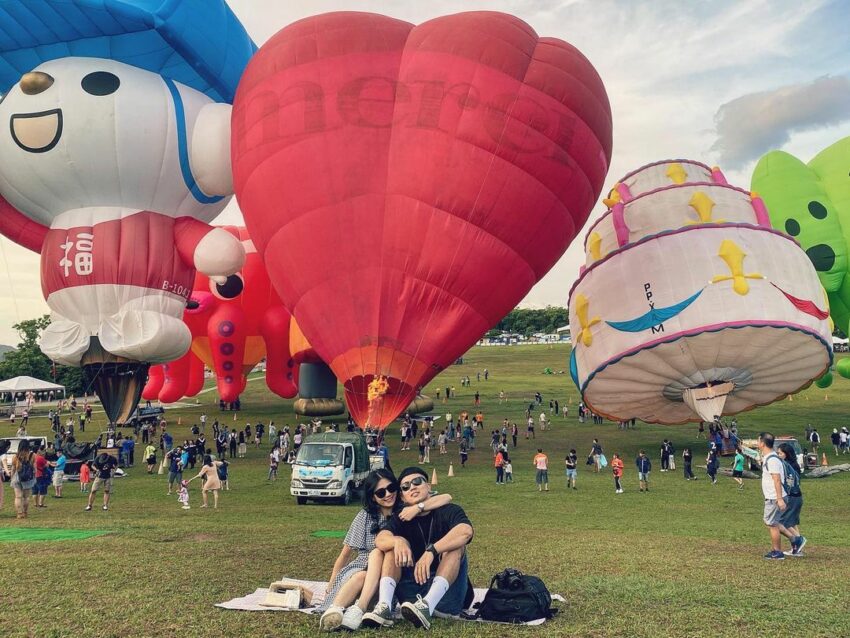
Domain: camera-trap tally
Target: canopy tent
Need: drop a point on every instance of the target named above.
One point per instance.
(29, 384)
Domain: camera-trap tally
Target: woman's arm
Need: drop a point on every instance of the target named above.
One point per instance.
(344, 557)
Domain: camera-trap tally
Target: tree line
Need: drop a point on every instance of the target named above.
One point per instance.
(528, 321)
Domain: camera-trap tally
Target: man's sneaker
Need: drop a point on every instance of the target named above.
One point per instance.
(105, 508)
(774, 555)
(352, 618)
(88, 508)
(380, 616)
(331, 619)
(417, 613)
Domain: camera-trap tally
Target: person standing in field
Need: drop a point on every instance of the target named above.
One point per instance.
(617, 469)
(541, 463)
(644, 467)
(85, 476)
(773, 489)
(738, 468)
(211, 482)
(572, 469)
(596, 453)
(688, 459)
(789, 521)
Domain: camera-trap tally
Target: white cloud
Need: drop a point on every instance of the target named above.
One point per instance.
(753, 124)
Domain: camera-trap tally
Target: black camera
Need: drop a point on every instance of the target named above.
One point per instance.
(510, 579)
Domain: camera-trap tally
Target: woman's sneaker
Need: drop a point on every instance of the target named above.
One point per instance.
(380, 616)
(331, 619)
(774, 555)
(352, 618)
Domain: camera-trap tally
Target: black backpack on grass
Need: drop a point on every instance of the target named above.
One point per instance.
(514, 597)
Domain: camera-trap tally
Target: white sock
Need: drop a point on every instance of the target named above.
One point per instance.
(386, 591)
(439, 587)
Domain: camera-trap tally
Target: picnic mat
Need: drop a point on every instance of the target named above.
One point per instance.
(251, 602)
(31, 534)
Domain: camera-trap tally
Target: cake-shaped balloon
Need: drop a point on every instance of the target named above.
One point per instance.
(690, 305)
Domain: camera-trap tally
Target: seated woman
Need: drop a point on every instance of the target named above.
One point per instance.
(357, 570)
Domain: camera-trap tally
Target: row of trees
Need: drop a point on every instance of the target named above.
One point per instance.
(527, 321)
(28, 360)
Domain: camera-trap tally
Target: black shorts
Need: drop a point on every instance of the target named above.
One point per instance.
(738, 473)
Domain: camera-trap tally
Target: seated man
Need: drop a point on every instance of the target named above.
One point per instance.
(424, 561)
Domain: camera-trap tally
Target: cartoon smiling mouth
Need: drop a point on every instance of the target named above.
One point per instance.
(37, 132)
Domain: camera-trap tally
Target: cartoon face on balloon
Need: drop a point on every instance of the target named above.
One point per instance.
(811, 202)
(111, 172)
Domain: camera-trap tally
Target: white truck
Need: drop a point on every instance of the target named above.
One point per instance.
(330, 466)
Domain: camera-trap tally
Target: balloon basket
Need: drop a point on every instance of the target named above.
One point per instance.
(117, 381)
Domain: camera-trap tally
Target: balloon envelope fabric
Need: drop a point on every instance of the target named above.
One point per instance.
(407, 185)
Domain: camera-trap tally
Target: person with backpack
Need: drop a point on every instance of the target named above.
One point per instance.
(773, 488)
(815, 440)
(224, 474)
(789, 520)
(23, 478)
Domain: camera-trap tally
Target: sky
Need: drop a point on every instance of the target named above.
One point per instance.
(721, 82)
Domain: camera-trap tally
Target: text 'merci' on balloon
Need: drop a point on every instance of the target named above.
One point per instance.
(408, 185)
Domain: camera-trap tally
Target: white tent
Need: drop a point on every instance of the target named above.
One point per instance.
(29, 384)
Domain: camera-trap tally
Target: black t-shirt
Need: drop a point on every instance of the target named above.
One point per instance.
(425, 530)
(571, 461)
(105, 466)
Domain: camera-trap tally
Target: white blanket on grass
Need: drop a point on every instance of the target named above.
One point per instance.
(252, 601)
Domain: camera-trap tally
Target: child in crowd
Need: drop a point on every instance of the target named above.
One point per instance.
(617, 469)
(509, 471)
(224, 475)
(183, 494)
(85, 476)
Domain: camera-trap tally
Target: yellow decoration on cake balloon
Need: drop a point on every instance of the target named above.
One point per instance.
(704, 207)
(582, 306)
(594, 244)
(732, 254)
(677, 173)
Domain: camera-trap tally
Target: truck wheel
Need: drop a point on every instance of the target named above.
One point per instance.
(346, 500)
(301, 500)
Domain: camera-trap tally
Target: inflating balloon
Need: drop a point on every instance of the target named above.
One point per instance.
(812, 204)
(843, 367)
(690, 305)
(825, 381)
(111, 169)
(391, 175)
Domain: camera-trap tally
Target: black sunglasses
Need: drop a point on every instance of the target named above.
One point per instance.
(389, 489)
(419, 480)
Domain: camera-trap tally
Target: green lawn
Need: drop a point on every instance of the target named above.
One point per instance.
(683, 560)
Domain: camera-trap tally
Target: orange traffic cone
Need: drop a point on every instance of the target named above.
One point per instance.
(451, 470)
(823, 460)
(434, 477)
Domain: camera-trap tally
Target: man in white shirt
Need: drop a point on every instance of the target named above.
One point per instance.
(773, 488)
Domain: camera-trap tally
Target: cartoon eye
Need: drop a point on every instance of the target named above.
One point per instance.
(792, 227)
(230, 289)
(100, 83)
(817, 210)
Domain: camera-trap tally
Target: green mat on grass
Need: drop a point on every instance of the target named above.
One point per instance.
(31, 534)
(329, 533)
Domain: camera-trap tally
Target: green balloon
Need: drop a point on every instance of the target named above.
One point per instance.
(843, 367)
(811, 202)
(825, 381)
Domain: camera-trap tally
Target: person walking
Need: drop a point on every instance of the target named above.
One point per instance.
(789, 520)
(687, 459)
(815, 440)
(617, 469)
(210, 480)
(712, 463)
(464, 451)
(571, 462)
(105, 466)
(644, 467)
(541, 463)
(773, 489)
(836, 440)
(596, 454)
(499, 464)
(23, 478)
(665, 456)
(274, 461)
(150, 457)
(738, 467)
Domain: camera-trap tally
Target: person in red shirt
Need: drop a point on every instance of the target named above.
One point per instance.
(42, 478)
(499, 463)
(617, 468)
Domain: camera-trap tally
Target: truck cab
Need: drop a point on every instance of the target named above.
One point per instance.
(330, 466)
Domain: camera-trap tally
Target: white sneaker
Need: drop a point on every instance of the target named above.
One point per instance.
(352, 618)
(331, 619)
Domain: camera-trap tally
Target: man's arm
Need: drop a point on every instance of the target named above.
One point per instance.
(458, 536)
(777, 484)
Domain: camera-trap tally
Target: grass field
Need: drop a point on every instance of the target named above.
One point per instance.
(682, 560)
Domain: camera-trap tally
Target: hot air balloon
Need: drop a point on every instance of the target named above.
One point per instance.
(811, 202)
(114, 156)
(407, 185)
(690, 305)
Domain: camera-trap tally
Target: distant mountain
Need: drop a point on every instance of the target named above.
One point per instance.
(4, 350)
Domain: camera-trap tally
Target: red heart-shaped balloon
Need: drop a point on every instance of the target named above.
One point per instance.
(408, 185)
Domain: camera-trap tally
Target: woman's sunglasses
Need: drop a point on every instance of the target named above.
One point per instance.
(419, 480)
(389, 489)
